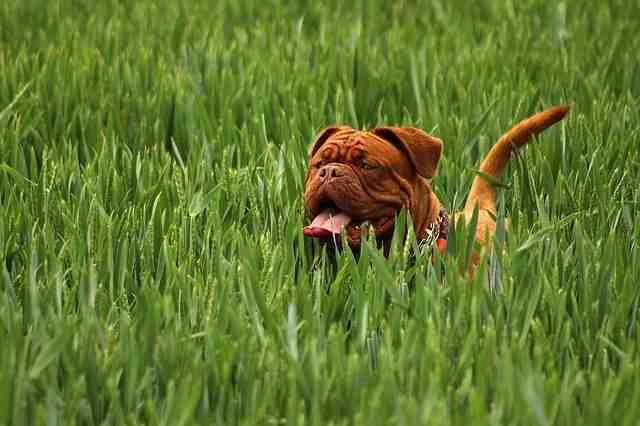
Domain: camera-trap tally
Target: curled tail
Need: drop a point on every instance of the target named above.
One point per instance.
(482, 192)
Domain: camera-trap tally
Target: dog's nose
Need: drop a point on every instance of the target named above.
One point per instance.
(331, 171)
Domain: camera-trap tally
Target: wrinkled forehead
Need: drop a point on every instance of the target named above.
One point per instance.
(349, 144)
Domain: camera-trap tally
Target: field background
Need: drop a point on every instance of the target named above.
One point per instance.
(153, 270)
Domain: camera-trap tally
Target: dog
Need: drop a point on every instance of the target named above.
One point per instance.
(357, 177)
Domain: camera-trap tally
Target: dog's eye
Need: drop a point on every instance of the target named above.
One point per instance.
(367, 166)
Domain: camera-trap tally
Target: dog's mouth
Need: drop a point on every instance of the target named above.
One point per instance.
(331, 221)
(328, 223)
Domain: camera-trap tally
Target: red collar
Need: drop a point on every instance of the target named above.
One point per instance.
(443, 229)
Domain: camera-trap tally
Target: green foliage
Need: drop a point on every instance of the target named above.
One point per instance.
(152, 160)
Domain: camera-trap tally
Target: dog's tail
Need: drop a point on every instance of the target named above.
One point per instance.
(482, 191)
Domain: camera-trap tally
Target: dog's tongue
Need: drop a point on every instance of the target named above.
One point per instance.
(327, 223)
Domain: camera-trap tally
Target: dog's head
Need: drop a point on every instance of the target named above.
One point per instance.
(358, 177)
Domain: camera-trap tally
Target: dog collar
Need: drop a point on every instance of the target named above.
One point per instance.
(443, 224)
(436, 233)
(443, 229)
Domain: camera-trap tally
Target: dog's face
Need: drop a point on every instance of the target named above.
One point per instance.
(356, 177)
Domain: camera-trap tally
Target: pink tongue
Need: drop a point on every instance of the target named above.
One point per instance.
(327, 223)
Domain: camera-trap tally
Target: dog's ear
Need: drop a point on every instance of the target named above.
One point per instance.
(323, 136)
(422, 149)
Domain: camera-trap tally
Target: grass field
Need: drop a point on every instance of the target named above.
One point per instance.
(154, 271)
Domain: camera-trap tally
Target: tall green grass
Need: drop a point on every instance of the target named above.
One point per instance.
(152, 157)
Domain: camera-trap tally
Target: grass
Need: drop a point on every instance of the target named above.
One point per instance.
(153, 270)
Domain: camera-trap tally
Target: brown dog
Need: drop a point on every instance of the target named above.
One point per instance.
(368, 176)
